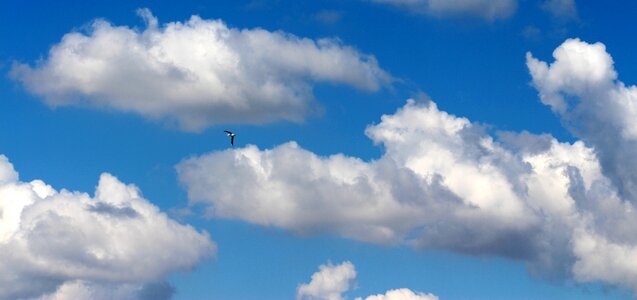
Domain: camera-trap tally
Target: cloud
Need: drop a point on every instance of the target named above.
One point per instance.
(196, 73)
(565, 209)
(486, 9)
(402, 294)
(86, 290)
(531, 33)
(69, 245)
(439, 171)
(332, 281)
(561, 9)
(328, 283)
(582, 88)
(328, 17)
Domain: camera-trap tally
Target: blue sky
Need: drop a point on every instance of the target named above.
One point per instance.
(429, 207)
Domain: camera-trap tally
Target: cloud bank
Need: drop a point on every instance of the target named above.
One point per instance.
(485, 9)
(196, 73)
(69, 245)
(332, 281)
(566, 209)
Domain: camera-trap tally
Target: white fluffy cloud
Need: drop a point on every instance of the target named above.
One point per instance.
(329, 283)
(74, 290)
(581, 87)
(332, 281)
(486, 9)
(566, 209)
(440, 181)
(197, 73)
(63, 244)
(402, 294)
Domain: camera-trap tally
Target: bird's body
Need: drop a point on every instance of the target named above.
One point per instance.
(231, 135)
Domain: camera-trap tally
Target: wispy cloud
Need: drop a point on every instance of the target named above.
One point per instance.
(328, 17)
(485, 9)
(561, 9)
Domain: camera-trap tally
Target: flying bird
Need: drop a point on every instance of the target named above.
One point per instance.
(231, 135)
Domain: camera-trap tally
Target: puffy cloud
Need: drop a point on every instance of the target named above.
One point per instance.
(63, 244)
(197, 73)
(486, 9)
(579, 68)
(329, 283)
(82, 290)
(7, 173)
(561, 9)
(402, 294)
(582, 88)
(442, 183)
(86, 290)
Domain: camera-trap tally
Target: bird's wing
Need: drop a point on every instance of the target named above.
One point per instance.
(232, 140)
(228, 132)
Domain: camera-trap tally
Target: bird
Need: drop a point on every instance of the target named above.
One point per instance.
(231, 135)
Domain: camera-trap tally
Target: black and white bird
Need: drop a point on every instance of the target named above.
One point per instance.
(231, 135)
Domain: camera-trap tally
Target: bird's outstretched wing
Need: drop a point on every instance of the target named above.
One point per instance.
(228, 132)
(232, 140)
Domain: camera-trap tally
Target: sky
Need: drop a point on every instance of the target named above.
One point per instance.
(385, 150)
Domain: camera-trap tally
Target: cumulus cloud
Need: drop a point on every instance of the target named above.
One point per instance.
(332, 281)
(69, 245)
(329, 283)
(87, 290)
(439, 171)
(196, 73)
(582, 88)
(443, 182)
(401, 294)
(486, 9)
